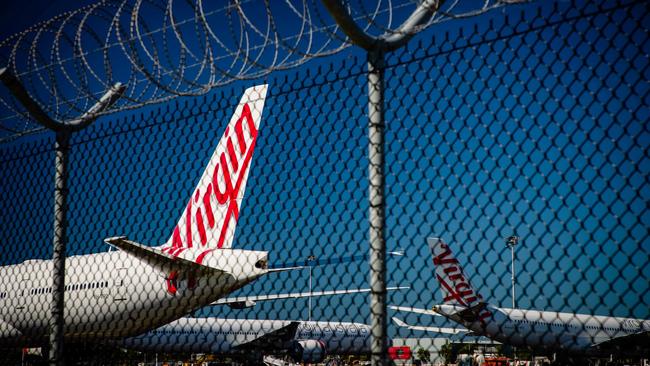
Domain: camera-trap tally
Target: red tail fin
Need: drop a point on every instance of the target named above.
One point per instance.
(454, 284)
(210, 217)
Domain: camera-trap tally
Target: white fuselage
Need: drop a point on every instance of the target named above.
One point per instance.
(113, 294)
(223, 336)
(576, 333)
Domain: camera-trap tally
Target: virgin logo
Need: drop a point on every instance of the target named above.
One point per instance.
(457, 288)
(210, 210)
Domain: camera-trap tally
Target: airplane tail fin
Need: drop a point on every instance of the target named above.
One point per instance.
(454, 285)
(210, 217)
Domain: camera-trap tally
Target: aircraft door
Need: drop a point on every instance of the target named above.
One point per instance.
(101, 289)
(119, 285)
(22, 291)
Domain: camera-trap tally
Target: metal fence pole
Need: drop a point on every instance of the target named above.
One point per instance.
(377, 206)
(376, 48)
(60, 241)
(63, 131)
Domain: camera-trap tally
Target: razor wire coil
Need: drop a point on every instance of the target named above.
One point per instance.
(162, 50)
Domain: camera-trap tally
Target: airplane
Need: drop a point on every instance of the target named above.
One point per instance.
(251, 339)
(303, 341)
(563, 333)
(136, 288)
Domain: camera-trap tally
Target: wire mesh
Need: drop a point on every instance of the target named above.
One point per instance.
(530, 124)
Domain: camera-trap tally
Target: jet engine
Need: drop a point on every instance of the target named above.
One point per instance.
(308, 351)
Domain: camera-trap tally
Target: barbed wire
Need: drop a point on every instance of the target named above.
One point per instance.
(162, 50)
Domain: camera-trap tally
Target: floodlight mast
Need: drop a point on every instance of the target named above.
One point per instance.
(63, 132)
(377, 47)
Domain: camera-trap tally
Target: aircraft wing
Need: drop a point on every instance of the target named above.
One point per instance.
(155, 256)
(249, 301)
(402, 324)
(277, 339)
(635, 344)
(414, 310)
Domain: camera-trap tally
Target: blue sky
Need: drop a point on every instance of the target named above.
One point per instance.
(542, 133)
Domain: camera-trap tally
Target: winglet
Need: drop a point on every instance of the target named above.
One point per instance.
(399, 323)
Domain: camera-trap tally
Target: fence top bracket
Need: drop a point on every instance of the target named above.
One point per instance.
(34, 109)
(389, 41)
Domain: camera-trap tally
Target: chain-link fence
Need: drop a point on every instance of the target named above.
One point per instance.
(519, 139)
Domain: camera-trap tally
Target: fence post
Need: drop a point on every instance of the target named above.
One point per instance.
(376, 48)
(59, 247)
(377, 206)
(63, 131)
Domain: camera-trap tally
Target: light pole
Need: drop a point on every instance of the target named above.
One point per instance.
(511, 242)
(310, 260)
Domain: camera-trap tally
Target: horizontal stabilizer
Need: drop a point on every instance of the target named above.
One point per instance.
(155, 256)
(472, 313)
(313, 262)
(414, 310)
(249, 301)
(402, 324)
(285, 269)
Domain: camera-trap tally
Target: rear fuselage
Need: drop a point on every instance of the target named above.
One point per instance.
(113, 294)
(549, 330)
(575, 333)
